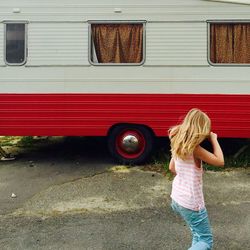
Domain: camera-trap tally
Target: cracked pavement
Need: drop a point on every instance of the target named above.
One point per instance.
(71, 195)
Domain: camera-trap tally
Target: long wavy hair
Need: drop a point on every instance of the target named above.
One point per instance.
(186, 136)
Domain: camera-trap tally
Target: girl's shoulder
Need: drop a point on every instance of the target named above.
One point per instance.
(188, 159)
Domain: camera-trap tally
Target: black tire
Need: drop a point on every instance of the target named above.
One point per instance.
(145, 140)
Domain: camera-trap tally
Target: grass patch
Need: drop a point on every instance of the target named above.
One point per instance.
(9, 140)
(22, 141)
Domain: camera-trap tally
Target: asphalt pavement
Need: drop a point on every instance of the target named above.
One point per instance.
(71, 195)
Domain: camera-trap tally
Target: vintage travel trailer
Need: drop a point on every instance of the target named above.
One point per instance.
(126, 69)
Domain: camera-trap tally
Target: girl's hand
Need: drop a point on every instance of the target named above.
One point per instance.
(216, 158)
(172, 166)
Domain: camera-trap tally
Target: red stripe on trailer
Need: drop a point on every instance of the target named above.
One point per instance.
(94, 114)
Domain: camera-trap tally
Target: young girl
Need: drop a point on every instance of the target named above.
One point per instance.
(186, 164)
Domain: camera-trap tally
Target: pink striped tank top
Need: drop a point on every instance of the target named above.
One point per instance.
(187, 184)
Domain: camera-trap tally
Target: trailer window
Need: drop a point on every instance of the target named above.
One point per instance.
(117, 43)
(15, 43)
(230, 43)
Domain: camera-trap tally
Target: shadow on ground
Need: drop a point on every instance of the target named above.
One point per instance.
(66, 148)
(96, 148)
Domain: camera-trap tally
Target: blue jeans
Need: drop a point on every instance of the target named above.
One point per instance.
(199, 225)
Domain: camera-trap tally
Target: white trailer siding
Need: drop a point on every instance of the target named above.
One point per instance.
(2, 63)
(84, 10)
(181, 43)
(57, 44)
(164, 80)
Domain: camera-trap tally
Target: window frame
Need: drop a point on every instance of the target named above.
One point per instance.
(90, 22)
(25, 42)
(209, 22)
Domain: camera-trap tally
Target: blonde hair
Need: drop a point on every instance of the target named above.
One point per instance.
(186, 136)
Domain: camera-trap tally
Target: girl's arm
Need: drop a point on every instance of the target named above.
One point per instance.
(216, 158)
(172, 166)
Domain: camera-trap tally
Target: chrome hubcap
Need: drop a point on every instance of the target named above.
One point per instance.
(130, 144)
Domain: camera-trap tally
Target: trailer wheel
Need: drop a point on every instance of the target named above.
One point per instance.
(130, 144)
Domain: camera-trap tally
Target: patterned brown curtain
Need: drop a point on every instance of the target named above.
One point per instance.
(230, 43)
(117, 43)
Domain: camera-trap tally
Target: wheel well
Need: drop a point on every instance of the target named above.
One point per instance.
(129, 124)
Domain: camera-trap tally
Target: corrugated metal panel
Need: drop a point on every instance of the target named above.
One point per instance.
(100, 2)
(160, 10)
(110, 79)
(58, 44)
(93, 115)
(2, 44)
(176, 44)
(126, 86)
